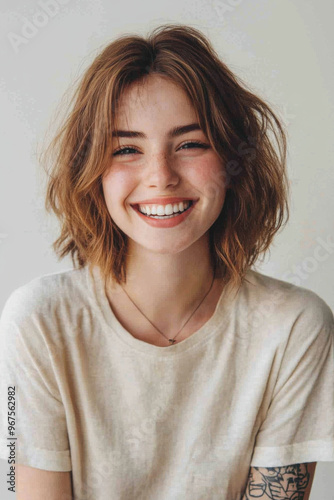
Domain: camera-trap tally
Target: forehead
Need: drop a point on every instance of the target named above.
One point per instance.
(154, 97)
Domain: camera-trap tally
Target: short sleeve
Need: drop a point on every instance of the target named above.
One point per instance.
(26, 365)
(299, 424)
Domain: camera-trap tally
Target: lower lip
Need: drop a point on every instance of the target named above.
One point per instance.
(173, 221)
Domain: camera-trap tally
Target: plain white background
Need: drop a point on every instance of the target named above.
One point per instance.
(281, 48)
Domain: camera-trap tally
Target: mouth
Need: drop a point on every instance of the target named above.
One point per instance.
(171, 216)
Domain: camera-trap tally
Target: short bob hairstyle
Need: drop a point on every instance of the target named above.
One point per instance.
(241, 128)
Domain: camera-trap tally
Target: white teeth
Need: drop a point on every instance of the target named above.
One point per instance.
(167, 210)
(164, 209)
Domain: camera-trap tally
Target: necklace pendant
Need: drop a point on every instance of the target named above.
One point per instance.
(172, 341)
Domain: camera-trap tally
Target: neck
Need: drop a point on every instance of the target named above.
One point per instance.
(168, 287)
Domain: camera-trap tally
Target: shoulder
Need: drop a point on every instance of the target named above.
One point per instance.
(285, 303)
(41, 295)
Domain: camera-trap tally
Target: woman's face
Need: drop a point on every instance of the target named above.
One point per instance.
(157, 165)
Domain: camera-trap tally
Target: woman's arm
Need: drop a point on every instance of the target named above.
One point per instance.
(280, 483)
(38, 484)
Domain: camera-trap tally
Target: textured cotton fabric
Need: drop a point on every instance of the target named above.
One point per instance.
(134, 421)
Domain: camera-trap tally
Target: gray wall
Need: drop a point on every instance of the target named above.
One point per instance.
(282, 48)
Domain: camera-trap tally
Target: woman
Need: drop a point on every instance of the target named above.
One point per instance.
(163, 366)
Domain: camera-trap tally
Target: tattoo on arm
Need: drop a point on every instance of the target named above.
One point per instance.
(277, 483)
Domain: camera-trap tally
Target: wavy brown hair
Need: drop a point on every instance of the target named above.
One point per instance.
(241, 128)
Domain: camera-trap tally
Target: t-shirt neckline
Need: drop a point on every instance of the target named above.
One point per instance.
(215, 324)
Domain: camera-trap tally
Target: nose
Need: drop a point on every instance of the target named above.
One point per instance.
(160, 172)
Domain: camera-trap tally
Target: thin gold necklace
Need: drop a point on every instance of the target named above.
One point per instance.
(173, 341)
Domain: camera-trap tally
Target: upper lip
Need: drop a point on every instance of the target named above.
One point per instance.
(162, 201)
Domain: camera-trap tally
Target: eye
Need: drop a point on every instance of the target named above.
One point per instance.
(196, 144)
(121, 151)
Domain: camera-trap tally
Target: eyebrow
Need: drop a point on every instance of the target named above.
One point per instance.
(174, 132)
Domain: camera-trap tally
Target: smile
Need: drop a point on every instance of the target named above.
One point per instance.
(166, 221)
(162, 212)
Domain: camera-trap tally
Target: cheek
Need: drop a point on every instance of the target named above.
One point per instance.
(211, 177)
(117, 185)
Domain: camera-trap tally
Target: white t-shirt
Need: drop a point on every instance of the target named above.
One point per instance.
(134, 421)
